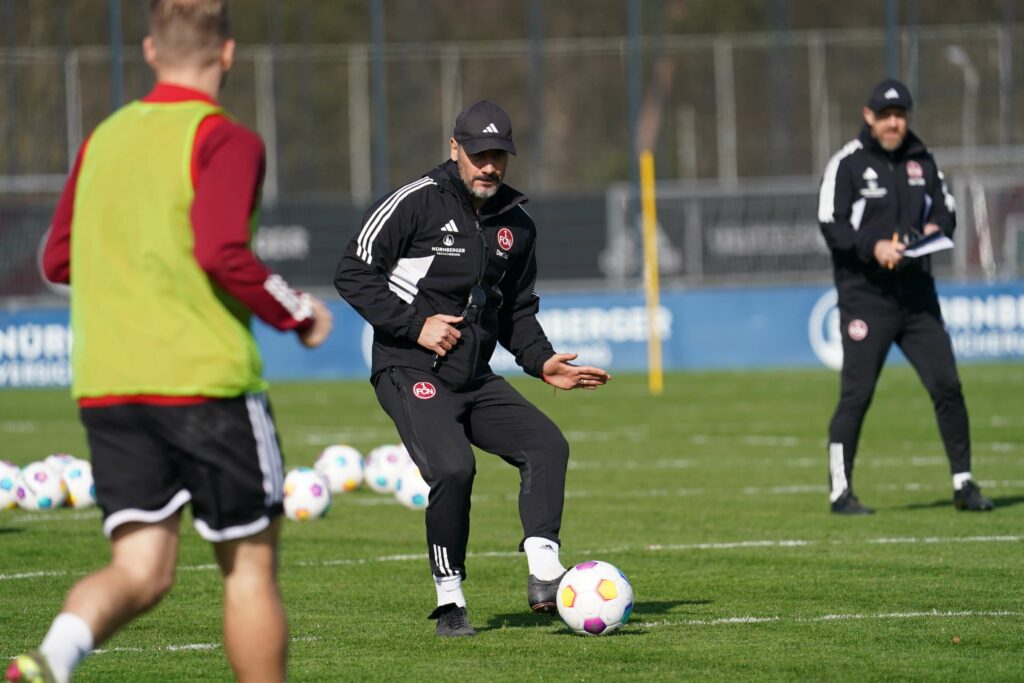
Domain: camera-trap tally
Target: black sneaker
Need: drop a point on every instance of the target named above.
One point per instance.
(969, 498)
(452, 621)
(541, 594)
(849, 504)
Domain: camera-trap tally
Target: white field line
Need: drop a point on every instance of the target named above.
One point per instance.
(650, 547)
(804, 543)
(183, 647)
(883, 616)
(784, 490)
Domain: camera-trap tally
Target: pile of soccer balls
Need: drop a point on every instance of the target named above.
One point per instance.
(341, 469)
(59, 480)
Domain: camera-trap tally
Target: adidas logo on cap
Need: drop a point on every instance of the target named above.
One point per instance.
(891, 94)
(491, 128)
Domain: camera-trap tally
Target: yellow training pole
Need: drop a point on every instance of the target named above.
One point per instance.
(655, 376)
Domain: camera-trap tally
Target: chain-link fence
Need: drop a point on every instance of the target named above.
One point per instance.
(731, 108)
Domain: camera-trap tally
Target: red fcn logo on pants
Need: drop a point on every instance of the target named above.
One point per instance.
(423, 390)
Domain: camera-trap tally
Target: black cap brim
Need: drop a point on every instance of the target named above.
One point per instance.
(477, 145)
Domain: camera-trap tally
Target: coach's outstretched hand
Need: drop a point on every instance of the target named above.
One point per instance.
(323, 322)
(560, 373)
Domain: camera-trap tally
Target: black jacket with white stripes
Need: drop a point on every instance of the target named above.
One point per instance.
(420, 251)
(866, 195)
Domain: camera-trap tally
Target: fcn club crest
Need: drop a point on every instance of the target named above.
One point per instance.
(424, 390)
(505, 239)
(857, 329)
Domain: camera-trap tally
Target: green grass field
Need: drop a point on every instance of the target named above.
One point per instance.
(712, 499)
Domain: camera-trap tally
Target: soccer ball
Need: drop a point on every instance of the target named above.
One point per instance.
(77, 476)
(384, 466)
(342, 467)
(307, 495)
(412, 491)
(40, 487)
(594, 598)
(8, 485)
(59, 461)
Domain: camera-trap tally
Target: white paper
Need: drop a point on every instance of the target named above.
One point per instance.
(928, 245)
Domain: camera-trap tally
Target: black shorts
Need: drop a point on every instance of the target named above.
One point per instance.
(222, 455)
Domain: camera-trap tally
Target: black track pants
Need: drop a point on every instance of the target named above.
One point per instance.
(438, 425)
(924, 341)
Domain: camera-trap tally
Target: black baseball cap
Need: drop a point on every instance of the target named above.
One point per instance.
(890, 93)
(482, 126)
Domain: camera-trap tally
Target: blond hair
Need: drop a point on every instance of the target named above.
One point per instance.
(188, 30)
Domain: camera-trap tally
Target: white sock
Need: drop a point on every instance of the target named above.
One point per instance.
(449, 590)
(542, 556)
(961, 478)
(66, 644)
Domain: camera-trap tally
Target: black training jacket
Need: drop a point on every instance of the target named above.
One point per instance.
(866, 195)
(420, 251)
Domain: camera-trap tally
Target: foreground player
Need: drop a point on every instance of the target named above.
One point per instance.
(152, 231)
(444, 269)
(880, 192)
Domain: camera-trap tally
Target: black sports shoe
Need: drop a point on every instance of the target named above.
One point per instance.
(969, 498)
(452, 621)
(541, 594)
(849, 504)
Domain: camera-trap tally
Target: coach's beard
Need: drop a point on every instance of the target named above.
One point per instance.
(483, 192)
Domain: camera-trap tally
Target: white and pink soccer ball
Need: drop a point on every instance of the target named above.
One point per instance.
(307, 495)
(59, 461)
(77, 476)
(594, 598)
(342, 466)
(40, 487)
(8, 485)
(412, 491)
(384, 466)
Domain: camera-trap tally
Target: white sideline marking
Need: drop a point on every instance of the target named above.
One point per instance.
(29, 575)
(21, 426)
(48, 516)
(802, 543)
(185, 647)
(652, 547)
(933, 614)
(729, 545)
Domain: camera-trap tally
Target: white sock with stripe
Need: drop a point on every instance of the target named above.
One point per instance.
(66, 644)
(961, 478)
(449, 590)
(542, 556)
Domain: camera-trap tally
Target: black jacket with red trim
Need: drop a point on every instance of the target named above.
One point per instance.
(420, 251)
(866, 195)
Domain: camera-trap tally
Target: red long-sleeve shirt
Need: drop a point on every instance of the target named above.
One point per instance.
(228, 164)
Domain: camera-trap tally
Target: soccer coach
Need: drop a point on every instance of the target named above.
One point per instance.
(444, 269)
(881, 192)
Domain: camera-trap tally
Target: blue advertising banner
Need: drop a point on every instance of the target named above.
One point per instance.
(786, 326)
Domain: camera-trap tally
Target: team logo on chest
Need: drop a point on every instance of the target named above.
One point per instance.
(424, 390)
(915, 174)
(857, 329)
(505, 239)
(872, 191)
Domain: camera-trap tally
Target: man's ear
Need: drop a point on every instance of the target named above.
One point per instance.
(149, 52)
(454, 149)
(227, 54)
(869, 116)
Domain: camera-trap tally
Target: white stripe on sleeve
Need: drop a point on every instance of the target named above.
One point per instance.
(827, 194)
(382, 213)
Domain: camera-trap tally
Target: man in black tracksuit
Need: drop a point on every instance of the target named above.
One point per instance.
(880, 193)
(444, 269)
